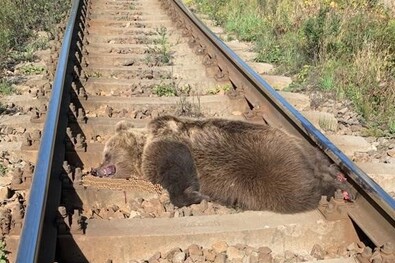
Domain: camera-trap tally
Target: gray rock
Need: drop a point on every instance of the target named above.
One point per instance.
(317, 252)
(209, 254)
(220, 258)
(234, 253)
(169, 254)
(195, 250)
(156, 256)
(254, 257)
(5, 193)
(179, 257)
(220, 247)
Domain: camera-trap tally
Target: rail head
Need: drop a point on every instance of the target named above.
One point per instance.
(370, 187)
(29, 244)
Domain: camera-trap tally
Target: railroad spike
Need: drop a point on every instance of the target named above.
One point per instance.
(209, 61)
(82, 93)
(186, 32)
(221, 75)
(80, 143)
(69, 133)
(72, 107)
(62, 220)
(81, 115)
(66, 167)
(74, 87)
(192, 41)
(200, 50)
(77, 222)
(78, 176)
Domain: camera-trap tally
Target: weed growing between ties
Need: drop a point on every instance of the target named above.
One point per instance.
(189, 106)
(220, 89)
(343, 47)
(160, 53)
(188, 103)
(165, 89)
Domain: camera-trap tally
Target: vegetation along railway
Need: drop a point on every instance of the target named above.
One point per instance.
(136, 60)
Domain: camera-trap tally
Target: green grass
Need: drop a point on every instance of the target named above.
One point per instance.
(3, 171)
(342, 47)
(160, 53)
(165, 90)
(30, 69)
(220, 89)
(6, 87)
(172, 89)
(18, 27)
(3, 253)
(392, 125)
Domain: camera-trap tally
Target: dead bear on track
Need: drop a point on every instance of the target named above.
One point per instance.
(235, 163)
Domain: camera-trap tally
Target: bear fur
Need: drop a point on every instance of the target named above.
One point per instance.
(236, 163)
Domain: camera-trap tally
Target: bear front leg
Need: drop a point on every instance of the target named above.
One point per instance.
(188, 197)
(170, 163)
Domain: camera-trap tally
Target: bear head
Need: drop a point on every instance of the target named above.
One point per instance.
(121, 154)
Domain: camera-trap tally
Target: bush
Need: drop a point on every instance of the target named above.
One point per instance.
(339, 46)
(20, 19)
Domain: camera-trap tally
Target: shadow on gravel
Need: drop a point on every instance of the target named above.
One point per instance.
(70, 221)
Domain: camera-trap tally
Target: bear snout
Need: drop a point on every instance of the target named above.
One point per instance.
(104, 171)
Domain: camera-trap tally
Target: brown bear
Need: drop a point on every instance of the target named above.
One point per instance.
(236, 163)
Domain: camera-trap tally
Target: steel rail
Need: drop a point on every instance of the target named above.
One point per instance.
(29, 245)
(371, 188)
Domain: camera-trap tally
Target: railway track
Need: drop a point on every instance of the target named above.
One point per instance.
(135, 59)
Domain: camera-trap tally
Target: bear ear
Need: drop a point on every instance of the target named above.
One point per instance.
(123, 126)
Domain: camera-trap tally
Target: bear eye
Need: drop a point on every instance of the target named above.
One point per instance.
(106, 156)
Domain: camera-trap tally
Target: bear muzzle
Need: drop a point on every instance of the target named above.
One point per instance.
(104, 171)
